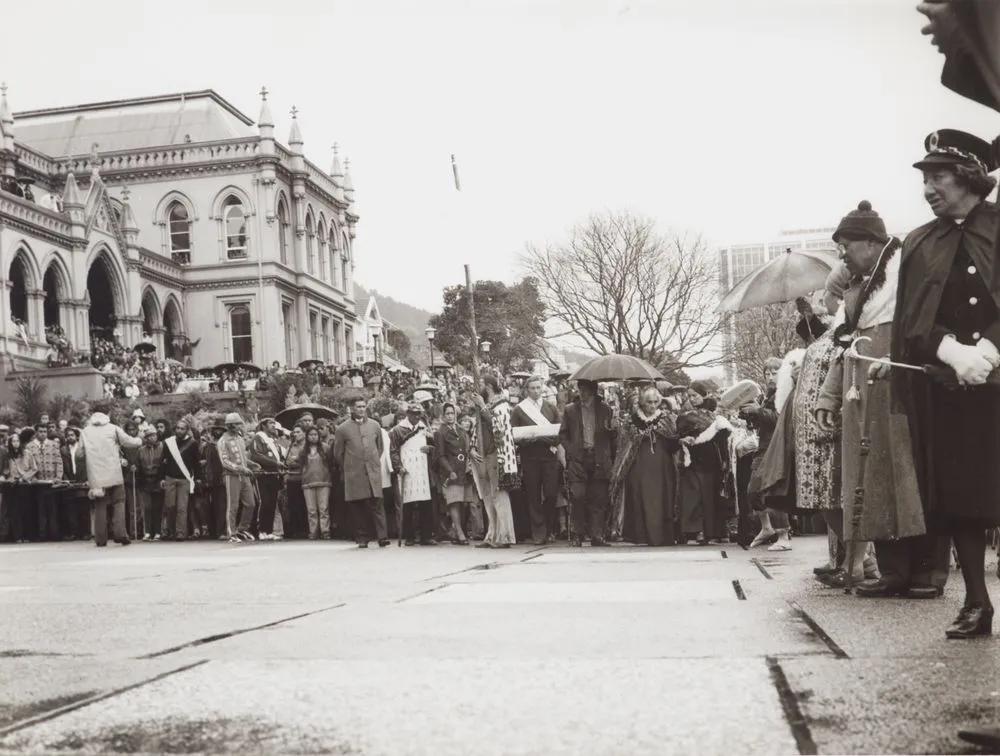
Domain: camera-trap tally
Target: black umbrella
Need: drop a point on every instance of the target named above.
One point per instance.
(248, 367)
(310, 363)
(290, 415)
(144, 347)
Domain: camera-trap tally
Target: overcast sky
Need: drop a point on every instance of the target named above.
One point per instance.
(734, 118)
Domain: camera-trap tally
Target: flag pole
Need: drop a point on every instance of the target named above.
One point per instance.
(470, 295)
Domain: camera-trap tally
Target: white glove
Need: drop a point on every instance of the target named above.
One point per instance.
(988, 349)
(968, 362)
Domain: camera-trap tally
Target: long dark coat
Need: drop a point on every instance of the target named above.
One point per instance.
(949, 282)
(357, 449)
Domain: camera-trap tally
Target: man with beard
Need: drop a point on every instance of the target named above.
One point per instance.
(179, 466)
(237, 474)
(875, 444)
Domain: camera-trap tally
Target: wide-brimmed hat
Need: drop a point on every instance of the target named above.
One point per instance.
(422, 396)
(949, 147)
(233, 418)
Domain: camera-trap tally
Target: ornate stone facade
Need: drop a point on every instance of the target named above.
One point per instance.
(174, 219)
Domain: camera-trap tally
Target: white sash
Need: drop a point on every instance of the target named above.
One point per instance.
(171, 443)
(270, 444)
(534, 412)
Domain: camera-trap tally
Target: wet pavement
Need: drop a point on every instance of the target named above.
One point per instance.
(322, 648)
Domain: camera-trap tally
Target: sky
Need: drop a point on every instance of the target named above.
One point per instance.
(734, 119)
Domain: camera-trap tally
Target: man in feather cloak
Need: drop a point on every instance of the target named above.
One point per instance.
(882, 502)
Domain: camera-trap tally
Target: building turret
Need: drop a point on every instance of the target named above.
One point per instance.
(295, 143)
(348, 183)
(72, 205)
(337, 175)
(129, 226)
(8, 158)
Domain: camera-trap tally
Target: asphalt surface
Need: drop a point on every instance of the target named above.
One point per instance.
(323, 648)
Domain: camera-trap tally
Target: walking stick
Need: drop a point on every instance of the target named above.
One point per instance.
(397, 490)
(857, 503)
(135, 522)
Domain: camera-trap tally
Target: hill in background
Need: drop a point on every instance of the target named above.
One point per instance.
(411, 320)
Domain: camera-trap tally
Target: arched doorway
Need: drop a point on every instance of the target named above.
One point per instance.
(50, 284)
(18, 275)
(102, 300)
(173, 330)
(150, 314)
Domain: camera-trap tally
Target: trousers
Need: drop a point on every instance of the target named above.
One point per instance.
(369, 512)
(176, 492)
(239, 504)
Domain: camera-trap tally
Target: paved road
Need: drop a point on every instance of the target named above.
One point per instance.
(323, 648)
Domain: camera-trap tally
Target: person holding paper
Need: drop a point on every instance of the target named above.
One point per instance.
(539, 462)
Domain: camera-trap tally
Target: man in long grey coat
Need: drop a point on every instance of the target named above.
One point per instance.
(357, 449)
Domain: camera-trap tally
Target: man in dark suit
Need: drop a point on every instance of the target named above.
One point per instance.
(76, 503)
(539, 461)
(589, 436)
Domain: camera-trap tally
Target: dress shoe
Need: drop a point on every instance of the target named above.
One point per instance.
(880, 588)
(972, 622)
(410, 542)
(538, 542)
(429, 542)
(924, 592)
(598, 542)
(984, 737)
(824, 570)
(383, 543)
(363, 545)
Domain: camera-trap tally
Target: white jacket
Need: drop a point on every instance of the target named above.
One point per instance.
(102, 441)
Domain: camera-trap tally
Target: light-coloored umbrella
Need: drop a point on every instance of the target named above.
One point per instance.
(617, 367)
(787, 277)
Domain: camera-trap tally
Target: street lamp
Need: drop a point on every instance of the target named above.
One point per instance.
(485, 346)
(429, 333)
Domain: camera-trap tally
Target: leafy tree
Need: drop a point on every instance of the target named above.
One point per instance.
(511, 318)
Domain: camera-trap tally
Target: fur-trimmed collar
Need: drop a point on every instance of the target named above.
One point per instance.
(877, 301)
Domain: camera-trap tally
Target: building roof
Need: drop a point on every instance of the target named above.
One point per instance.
(139, 123)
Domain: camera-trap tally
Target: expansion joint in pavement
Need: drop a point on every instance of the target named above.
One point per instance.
(790, 707)
(233, 633)
(422, 593)
(739, 590)
(473, 568)
(818, 631)
(763, 570)
(90, 700)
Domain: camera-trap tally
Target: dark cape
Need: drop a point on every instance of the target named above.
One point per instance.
(961, 73)
(927, 259)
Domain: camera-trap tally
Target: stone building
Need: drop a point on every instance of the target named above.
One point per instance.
(173, 219)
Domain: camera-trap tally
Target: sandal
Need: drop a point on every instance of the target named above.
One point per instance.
(762, 536)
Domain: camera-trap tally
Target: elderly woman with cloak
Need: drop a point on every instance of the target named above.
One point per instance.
(948, 316)
(878, 485)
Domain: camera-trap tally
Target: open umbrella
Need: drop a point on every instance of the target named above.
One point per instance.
(226, 367)
(616, 367)
(289, 416)
(788, 276)
(144, 347)
(305, 364)
(561, 375)
(249, 368)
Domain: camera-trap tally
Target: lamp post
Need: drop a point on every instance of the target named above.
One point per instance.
(429, 332)
(485, 347)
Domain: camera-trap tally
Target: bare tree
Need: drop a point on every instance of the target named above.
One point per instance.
(622, 288)
(760, 333)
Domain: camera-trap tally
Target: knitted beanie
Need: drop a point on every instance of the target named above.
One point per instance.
(862, 223)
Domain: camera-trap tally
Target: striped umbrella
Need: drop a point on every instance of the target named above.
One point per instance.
(617, 367)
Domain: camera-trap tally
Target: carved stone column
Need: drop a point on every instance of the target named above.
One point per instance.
(36, 315)
(159, 343)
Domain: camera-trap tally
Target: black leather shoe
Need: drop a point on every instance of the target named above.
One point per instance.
(972, 622)
(825, 570)
(598, 542)
(880, 588)
(984, 737)
(924, 592)
(383, 543)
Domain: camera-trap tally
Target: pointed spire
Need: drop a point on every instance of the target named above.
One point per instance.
(71, 193)
(6, 119)
(336, 171)
(129, 224)
(265, 119)
(348, 182)
(295, 136)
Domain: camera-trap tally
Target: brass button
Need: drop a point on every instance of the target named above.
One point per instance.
(977, 335)
(973, 301)
(972, 269)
